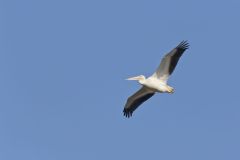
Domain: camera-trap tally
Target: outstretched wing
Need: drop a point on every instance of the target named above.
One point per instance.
(169, 62)
(136, 100)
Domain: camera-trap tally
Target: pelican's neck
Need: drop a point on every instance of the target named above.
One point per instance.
(141, 79)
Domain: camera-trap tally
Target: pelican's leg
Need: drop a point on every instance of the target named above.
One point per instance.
(170, 89)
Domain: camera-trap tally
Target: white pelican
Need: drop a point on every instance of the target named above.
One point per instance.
(157, 82)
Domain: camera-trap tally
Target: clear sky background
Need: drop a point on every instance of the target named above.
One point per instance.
(63, 66)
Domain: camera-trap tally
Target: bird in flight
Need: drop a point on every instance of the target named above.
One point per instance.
(157, 82)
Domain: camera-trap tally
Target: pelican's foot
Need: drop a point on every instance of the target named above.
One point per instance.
(170, 90)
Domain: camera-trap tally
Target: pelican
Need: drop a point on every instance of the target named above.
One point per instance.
(157, 83)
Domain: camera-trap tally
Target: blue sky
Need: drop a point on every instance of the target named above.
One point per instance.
(62, 87)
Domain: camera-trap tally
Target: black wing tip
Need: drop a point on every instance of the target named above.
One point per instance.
(183, 45)
(127, 113)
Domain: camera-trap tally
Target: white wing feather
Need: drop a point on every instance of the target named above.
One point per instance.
(162, 70)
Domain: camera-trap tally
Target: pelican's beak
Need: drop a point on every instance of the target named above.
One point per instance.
(132, 78)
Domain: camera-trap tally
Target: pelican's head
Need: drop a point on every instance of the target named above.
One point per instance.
(140, 79)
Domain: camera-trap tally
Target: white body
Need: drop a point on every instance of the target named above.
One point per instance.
(153, 83)
(157, 85)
